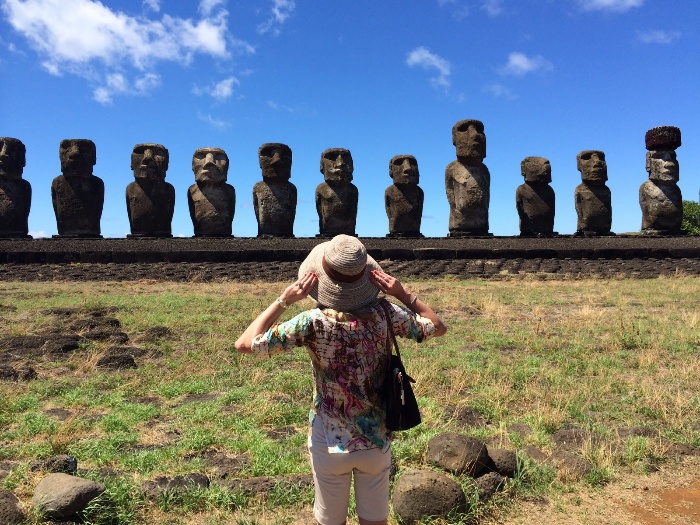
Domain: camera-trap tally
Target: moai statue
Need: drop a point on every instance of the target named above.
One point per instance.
(592, 197)
(535, 199)
(403, 200)
(274, 197)
(336, 198)
(77, 195)
(660, 197)
(150, 201)
(15, 192)
(468, 181)
(211, 200)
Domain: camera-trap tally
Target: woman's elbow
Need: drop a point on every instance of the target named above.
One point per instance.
(242, 346)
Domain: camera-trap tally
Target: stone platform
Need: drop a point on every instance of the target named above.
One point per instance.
(247, 259)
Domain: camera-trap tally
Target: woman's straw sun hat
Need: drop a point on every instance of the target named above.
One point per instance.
(343, 268)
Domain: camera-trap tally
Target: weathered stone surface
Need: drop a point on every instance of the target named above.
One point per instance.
(336, 198)
(571, 437)
(503, 461)
(488, 484)
(535, 453)
(403, 200)
(61, 463)
(15, 192)
(464, 417)
(150, 201)
(61, 344)
(422, 493)
(116, 360)
(457, 453)
(468, 181)
(275, 198)
(660, 197)
(93, 323)
(77, 195)
(103, 333)
(61, 495)
(10, 508)
(535, 199)
(225, 466)
(156, 487)
(592, 198)
(569, 465)
(212, 202)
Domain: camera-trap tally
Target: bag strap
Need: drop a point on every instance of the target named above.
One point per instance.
(391, 338)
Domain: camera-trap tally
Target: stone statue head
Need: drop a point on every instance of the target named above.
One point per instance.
(662, 165)
(78, 156)
(469, 139)
(149, 161)
(661, 143)
(591, 163)
(275, 161)
(336, 165)
(210, 165)
(403, 169)
(12, 157)
(536, 169)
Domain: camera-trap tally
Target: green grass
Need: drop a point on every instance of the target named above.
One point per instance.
(600, 355)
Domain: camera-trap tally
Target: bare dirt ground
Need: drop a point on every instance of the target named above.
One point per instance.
(670, 496)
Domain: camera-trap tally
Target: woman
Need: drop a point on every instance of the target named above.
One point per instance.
(346, 336)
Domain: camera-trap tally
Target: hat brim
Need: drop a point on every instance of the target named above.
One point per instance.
(340, 296)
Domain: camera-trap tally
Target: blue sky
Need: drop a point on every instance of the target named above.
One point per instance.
(548, 78)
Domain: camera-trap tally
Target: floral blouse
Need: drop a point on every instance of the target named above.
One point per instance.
(349, 361)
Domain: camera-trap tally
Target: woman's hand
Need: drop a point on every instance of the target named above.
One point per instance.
(388, 284)
(299, 289)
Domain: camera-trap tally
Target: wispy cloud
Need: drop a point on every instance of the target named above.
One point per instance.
(153, 5)
(423, 58)
(115, 84)
(492, 7)
(281, 10)
(619, 6)
(519, 64)
(39, 234)
(499, 91)
(115, 51)
(220, 90)
(657, 36)
(213, 122)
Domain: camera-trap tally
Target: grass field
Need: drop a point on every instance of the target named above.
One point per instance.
(601, 355)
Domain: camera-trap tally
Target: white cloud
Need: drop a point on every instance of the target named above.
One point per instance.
(421, 57)
(213, 122)
(520, 64)
(39, 234)
(500, 91)
(88, 39)
(220, 91)
(280, 12)
(619, 6)
(658, 36)
(493, 7)
(118, 84)
(153, 5)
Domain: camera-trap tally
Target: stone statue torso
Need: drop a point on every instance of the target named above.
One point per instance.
(337, 208)
(404, 207)
(77, 202)
(662, 206)
(212, 208)
(593, 208)
(468, 193)
(150, 208)
(15, 203)
(275, 206)
(535, 205)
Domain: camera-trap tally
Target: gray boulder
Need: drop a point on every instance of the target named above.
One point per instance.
(61, 495)
(458, 453)
(489, 484)
(422, 493)
(10, 510)
(503, 461)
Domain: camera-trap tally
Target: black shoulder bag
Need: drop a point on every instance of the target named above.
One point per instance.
(399, 401)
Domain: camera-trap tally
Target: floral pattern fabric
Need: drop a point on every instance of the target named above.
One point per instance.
(349, 360)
